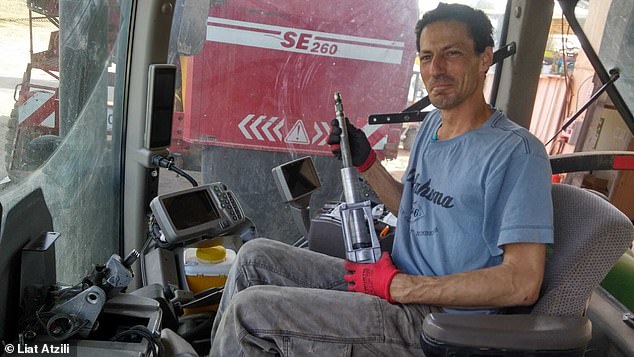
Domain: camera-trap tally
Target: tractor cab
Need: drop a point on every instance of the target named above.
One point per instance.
(146, 141)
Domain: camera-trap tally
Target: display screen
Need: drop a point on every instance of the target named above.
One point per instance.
(300, 177)
(191, 209)
(162, 107)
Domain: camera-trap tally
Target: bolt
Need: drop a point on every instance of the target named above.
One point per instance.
(166, 8)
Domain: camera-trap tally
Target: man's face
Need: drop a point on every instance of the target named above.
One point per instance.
(451, 69)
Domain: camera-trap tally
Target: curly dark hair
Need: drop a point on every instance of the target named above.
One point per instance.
(477, 22)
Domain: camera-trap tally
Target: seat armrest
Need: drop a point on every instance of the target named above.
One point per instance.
(507, 332)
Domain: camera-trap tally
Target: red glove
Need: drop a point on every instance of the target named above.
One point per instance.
(373, 279)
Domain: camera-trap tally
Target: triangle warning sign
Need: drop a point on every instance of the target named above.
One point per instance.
(297, 134)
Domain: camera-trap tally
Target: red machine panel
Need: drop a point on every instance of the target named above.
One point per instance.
(267, 73)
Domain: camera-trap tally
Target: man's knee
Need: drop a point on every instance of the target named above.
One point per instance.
(247, 304)
(261, 250)
(249, 254)
(256, 247)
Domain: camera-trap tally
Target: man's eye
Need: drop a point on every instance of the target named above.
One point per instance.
(453, 53)
(425, 58)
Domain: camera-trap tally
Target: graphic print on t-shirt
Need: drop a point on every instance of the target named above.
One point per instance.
(427, 192)
(418, 212)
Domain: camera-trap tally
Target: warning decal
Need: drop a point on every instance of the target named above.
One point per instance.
(297, 134)
(264, 128)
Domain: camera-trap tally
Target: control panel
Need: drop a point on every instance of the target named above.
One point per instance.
(228, 204)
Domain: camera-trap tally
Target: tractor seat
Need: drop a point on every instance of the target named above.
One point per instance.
(590, 236)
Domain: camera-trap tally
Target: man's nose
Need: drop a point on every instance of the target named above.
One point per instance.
(438, 65)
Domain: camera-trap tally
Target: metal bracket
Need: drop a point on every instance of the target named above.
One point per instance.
(77, 314)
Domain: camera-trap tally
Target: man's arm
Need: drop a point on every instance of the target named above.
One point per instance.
(386, 187)
(517, 281)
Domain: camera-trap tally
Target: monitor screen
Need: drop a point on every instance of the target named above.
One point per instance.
(300, 177)
(191, 209)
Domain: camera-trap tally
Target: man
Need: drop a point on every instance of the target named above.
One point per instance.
(474, 215)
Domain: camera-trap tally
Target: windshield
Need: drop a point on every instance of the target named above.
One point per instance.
(57, 113)
(256, 88)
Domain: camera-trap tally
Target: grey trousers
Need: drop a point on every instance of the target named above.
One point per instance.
(287, 301)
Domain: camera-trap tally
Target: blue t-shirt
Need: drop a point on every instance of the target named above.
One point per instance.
(466, 197)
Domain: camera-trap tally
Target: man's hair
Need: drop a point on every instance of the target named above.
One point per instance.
(477, 22)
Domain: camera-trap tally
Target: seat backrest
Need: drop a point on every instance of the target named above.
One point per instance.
(590, 236)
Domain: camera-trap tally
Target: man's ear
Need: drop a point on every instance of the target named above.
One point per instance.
(486, 59)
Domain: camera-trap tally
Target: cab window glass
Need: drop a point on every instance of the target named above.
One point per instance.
(569, 80)
(59, 119)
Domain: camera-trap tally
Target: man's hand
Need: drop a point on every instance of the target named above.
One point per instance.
(373, 279)
(363, 156)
